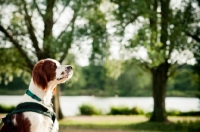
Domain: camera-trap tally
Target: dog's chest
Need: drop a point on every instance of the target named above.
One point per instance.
(39, 122)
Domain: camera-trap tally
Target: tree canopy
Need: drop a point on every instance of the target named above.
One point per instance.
(155, 35)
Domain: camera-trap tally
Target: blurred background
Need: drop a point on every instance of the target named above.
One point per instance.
(143, 53)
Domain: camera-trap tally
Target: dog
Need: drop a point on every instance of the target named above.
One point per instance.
(34, 113)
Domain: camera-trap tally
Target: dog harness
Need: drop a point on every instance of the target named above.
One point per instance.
(29, 107)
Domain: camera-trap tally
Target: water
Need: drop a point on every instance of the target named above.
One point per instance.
(70, 104)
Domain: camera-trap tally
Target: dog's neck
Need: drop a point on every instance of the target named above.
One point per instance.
(44, 95)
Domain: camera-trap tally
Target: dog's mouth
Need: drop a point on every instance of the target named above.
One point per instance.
(64, 77)
(67, 76)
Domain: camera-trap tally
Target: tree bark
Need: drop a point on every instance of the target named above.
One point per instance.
(159, 79)
(159, 73)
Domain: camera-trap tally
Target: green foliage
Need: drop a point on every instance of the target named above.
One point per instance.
(185, 80)
(120, 110)
(123, 110)
(114, 68)
(7, 70)
(93, 80)
(33, 37)
(190, 113)
(137, 111)
(197, 73)
(178, 113)
(134, 81)
(173, 112)
(88, 109)
(6, 108)
(96, 76)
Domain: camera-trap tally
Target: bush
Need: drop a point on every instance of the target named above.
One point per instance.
(88, 109)
(123, 110)
(6, 109)
(137, 111)
(190, 113)
(173, 113)
(179, 113)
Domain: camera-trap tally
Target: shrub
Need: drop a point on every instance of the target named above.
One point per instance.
(137, 111)
(190, 113)
(173, 112)
(6, 109)
(119, 110)
(88, 109)
(179, 113)
(123, 110)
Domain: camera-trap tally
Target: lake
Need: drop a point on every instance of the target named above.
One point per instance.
(70, 104)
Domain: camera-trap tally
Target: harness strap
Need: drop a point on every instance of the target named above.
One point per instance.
(34, 107)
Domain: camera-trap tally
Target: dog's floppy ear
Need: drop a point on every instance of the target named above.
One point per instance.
(39, 76)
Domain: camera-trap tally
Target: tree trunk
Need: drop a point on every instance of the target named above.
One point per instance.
(56, 104)
(159, 73)
(159, 79)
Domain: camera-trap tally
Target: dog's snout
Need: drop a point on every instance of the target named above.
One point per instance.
(69, 67)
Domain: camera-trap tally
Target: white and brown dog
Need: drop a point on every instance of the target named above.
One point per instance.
(37, 116)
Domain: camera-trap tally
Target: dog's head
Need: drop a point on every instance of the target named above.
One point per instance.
(50, 70)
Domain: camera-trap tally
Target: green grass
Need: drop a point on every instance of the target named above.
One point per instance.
(128, 124)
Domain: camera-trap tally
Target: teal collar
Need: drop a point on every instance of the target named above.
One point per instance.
(29, 93)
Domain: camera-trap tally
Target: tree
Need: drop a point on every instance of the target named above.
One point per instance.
(22, 26)
(193, 31)
(160, 34)
(31, 30)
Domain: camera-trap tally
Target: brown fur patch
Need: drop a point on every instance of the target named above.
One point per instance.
(23, 124)
(43, 72)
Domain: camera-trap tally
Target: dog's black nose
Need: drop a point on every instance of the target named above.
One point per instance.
(69, 67)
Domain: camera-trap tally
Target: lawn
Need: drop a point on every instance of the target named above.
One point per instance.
(128, 124)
